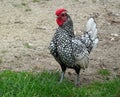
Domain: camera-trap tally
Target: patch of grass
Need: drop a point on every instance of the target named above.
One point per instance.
(104, 72)
(75, 0)
(39, 0)
(27, 45)
(28, 84)
(24, 4)
(17, 5)
(36, 0)
(94, 1)
(4, 51)
(28, 9)
(0, 60)
(20, 5)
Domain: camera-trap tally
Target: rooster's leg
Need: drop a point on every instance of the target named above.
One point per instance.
(77, 83)
(62, 76)
(77, 69)
(63, 72)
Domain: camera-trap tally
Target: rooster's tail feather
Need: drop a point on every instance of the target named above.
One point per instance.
(91, 29)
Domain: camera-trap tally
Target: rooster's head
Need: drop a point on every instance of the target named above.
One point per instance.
(61, 16)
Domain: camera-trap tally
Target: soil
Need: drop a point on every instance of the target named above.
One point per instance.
(27, 27)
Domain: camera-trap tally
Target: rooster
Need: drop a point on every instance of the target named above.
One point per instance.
(72, 51)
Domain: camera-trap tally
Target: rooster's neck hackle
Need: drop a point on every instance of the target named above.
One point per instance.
(68, 26)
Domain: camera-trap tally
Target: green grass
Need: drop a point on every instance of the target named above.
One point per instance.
(27, 45)
(0, 61)
(4, 51)
(104, 72)
(26, 84)
(36, 0)
(39, 0)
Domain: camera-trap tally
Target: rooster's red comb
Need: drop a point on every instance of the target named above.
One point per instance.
(59, 11)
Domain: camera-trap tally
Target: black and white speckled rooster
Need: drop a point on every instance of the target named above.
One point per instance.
(71, 51)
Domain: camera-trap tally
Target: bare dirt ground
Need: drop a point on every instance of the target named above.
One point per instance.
(27, 26)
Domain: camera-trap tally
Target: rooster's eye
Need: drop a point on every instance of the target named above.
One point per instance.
(64, 14)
